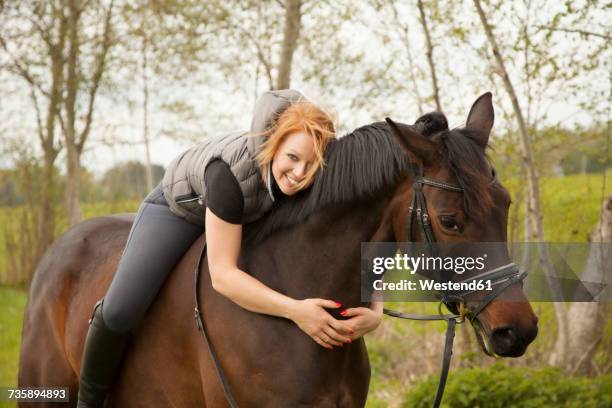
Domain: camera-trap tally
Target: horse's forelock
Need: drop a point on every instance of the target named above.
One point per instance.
(469, 163)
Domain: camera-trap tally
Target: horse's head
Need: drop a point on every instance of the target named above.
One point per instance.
(464, 202)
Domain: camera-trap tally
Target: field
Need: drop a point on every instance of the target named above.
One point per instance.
(12, 303)
(401, 352)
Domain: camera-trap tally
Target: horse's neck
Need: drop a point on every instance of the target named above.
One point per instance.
(321, 257)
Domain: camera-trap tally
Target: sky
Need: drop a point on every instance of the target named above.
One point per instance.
(218, 105)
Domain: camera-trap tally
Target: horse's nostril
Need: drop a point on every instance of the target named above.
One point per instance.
(504, 339)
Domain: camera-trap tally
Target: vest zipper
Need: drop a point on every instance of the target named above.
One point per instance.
(199, 199)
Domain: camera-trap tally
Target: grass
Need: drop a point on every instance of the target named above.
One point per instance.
(12, 304)
(400, 352)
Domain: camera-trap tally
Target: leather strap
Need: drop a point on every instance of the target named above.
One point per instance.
(452, 320)
(202, 329)
(446, 359)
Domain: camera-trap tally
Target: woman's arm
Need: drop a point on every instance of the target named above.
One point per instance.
(223, 241)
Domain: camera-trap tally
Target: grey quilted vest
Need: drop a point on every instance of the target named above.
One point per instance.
(183, 182)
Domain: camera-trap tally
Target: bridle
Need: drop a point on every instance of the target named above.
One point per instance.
(500, 278)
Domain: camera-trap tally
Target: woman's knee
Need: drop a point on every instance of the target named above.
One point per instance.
(118, 317)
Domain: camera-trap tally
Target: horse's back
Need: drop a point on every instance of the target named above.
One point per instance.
(75, 271)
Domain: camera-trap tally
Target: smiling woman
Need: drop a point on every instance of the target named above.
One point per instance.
(294, 149)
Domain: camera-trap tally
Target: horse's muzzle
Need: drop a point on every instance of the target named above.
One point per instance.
(512, 341)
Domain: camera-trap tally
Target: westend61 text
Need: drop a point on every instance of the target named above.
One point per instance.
(429, 285)
(414, 264)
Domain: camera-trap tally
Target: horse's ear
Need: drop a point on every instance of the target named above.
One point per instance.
(481, 117)
(417, 146)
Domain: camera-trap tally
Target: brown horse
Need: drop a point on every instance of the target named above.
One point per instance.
(309, 246)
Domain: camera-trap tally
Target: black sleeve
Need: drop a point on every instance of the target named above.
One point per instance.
(223, 194)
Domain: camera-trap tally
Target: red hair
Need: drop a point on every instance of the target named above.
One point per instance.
(299, 117)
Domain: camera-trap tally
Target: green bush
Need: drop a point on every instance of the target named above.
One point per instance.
(505, 387)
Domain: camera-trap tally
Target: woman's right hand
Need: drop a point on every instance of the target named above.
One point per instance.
(310, 316)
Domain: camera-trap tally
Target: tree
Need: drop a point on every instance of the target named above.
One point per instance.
(33, 37)
(402, 28)
(588, 318)
(293, 17)
(534, 213)
(86, 59)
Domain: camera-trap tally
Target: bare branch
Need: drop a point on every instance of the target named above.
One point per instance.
(96, 77)
(61, 121)
(44, 32)
(430, 49)
(38, 118)
(260, 54)
(404, 32)
(576, 31)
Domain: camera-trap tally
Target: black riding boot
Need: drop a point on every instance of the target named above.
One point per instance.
(101, 360)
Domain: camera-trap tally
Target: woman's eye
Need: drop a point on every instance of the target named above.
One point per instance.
(450, 223)
(293, 157)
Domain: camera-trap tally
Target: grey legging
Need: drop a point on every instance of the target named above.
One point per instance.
(157, 242)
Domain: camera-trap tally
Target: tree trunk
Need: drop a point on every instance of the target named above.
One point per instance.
(76, 81)
(293, 23)
(534, 209)
(46, 218)
(73, 185)
(145, 111)
(73, 203)
(530, 232)
(46, 221)
(587, 319)
(432, 66)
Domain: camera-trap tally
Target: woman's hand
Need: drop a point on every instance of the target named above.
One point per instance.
(362, 320)
(310, 316)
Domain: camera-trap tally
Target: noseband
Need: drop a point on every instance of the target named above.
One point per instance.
(500, 278)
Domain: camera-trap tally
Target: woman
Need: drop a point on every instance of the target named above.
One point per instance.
(219, 184)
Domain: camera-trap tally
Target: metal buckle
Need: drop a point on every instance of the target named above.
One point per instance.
(459, 318)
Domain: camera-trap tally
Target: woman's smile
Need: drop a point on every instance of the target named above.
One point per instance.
(292, 161)
(292, 181)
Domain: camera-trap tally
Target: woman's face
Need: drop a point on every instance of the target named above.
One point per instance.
(292, 160)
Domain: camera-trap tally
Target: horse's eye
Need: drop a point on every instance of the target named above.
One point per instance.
(449, 223)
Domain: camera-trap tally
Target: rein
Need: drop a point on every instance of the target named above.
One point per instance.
(202, 329)
(501, 278)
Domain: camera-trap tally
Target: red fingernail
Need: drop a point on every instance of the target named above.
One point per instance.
(343, 312)
(338, 304)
